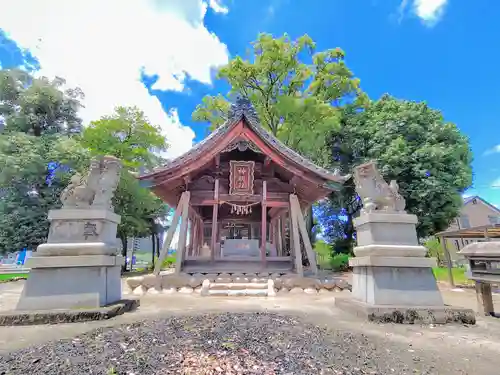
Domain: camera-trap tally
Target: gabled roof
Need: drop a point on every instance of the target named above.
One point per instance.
(477, 197)
(243, 110)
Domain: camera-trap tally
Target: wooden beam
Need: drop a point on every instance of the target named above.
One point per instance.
(206, 198)
(181, 245)
(263, 225)
(295, 242)
(484, 299)
(215, 212)
(170, 234)
(297, 212)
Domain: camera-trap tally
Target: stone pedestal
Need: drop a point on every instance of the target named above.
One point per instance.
(79, 266)
(392, 278)
(390, 267)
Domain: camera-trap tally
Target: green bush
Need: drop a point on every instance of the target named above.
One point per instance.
(340, 262)
(169, 262)
(323, 254)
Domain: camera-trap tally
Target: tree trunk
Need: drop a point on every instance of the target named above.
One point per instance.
(124, 252)
(153, 248)
(157, 245)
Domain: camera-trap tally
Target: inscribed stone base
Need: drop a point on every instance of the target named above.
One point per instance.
(72, 286)
(385, 229)
(406, 314)
(399, 286)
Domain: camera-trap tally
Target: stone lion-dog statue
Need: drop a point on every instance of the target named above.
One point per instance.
(375, 193)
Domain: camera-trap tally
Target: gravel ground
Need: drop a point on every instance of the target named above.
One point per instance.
(228, 343)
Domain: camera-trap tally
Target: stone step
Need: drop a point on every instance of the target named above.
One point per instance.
(238, 293)
(237, 286)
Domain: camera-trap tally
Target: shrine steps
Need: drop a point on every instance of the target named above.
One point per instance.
(238, 289)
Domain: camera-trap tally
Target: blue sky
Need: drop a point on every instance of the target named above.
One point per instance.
(161, 55)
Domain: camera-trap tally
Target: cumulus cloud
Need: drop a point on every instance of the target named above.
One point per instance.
(496, 184)
(429, 11)
(492, 150)
(103, 47)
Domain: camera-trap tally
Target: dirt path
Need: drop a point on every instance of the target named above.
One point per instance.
(465, 349)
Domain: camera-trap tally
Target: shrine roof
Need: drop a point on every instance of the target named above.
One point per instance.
(241, 110)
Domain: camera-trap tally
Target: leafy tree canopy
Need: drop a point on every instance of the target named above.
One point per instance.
(128, 135)
(413, 144)
(295, 90)
(37, 118)
(38, 106)
(28, 190)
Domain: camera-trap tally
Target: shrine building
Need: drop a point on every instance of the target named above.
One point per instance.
(241, 194)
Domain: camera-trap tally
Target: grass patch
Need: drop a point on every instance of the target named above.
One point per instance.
(441, 274)
(9, 276)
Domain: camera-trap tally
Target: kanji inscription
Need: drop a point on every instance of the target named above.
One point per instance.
(241, 177)
(90, 230)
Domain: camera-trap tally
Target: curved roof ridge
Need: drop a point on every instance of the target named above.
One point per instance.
(243, 108)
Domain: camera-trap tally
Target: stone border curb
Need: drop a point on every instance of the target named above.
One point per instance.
(22, 318)
(407, 315)
(192, 283)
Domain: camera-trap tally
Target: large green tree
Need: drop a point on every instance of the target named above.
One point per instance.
(38, 106)
(411, 143)
(295, 89)
(128, 135)
(37, 121)
(29, 188)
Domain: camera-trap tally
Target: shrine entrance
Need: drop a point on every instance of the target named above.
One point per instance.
(241, 195)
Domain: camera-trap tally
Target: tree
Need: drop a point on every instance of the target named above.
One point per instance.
(38, 106)
(295, 91)
(413, 144)
(127, 134)
(37, 119)
(435, 250)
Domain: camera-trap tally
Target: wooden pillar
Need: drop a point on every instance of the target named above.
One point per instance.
(283, 234)
(215, 213)
(271, 232)
(263, 225)
(296, 212)
(449, 264)
(181, 245)
(202, 235)
(171, 232)
(195, 236)
(484, 299)
(295, 241)
(191, 237)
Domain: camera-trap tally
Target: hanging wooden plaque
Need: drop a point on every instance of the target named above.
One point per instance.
(241, 176)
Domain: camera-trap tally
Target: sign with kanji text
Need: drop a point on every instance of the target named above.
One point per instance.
(241, 176)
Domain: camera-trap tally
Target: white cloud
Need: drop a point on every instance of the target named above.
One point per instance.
(429, 11)
(496, 184)
(217, 7)
(492, 150)
(103, 46)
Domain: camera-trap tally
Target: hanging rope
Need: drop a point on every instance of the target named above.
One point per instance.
(240, 209)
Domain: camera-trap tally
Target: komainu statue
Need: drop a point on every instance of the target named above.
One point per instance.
(97, 188)
(375, 193)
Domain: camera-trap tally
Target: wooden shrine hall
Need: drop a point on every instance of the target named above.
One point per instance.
(237, 193)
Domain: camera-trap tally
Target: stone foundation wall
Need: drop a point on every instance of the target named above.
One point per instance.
(191, 283)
